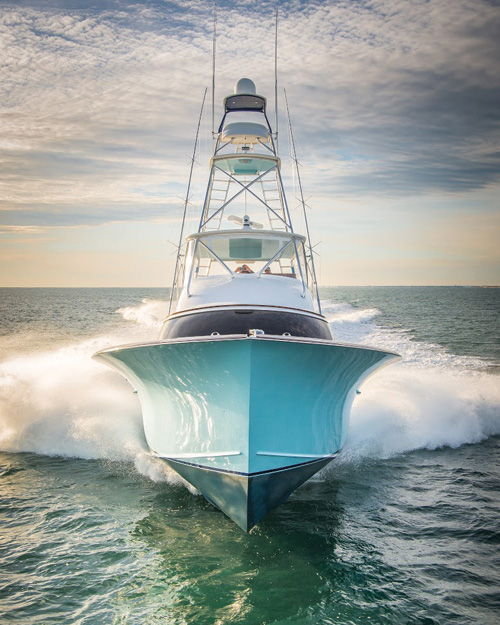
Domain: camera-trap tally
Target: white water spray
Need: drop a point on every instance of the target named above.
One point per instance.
(430, 399)
(61, 402)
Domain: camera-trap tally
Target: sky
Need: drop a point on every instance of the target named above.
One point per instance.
(395, 107)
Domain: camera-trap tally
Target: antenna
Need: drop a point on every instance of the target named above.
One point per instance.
(186, 202)
(311, 253)
(214, 42)
(276, 76)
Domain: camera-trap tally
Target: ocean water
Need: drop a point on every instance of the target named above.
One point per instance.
(404, 527)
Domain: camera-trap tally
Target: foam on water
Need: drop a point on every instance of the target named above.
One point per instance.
(61, 402)
(430, 399)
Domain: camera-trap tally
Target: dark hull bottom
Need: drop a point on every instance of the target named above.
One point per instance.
(246, 499)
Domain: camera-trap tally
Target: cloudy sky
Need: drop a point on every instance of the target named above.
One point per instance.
(395, 105)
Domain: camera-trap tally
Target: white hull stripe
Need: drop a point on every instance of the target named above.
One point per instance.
(214, 454)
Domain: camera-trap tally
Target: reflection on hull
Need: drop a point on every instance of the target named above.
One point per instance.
(246, 420)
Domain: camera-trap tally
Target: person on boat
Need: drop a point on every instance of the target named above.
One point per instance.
(244, 269)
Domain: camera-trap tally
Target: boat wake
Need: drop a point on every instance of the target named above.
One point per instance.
(430, 399)
(60, 402)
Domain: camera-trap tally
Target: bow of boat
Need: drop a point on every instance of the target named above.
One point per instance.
(245, 419)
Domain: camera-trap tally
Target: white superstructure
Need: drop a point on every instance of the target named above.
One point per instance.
(233, 260)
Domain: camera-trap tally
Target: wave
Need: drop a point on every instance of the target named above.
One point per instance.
(430, 399)
(61, 402)
(353, 325)
(402, 409)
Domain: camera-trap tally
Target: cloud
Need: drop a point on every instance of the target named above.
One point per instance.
(389, 98)
(91, 112)
(410, 93)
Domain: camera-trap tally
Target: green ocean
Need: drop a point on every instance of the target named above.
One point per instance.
(402, 528)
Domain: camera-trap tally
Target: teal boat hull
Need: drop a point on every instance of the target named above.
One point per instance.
(245, 420)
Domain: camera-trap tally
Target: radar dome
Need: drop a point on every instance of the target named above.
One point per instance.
(246, 86)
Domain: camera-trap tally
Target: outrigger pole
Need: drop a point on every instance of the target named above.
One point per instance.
(186, 203)
(302, 201)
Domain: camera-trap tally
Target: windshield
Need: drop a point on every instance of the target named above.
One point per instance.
(267, 255)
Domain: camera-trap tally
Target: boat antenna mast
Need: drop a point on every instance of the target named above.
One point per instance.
(180, 249)
(214, 45)
(276, 76)
(303, 203)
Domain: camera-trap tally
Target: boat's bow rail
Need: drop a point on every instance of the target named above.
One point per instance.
(255, 334)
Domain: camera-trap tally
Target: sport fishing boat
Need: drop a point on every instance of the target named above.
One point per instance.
(245, 394)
